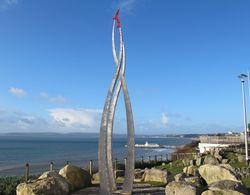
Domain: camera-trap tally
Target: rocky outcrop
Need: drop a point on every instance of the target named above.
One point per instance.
(157, 175)
(77, 177)
(48, 183)
(180, 188)
(214, 173)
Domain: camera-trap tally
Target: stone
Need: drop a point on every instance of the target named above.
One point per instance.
(228, 185)
(138, 175)
(180, 188)
(224, 161)
(209, 159)
(199, 161)
(192, 162)
(221, 192)
(214, 173)
(219, 157)
(48, 183)
(186, 162)
(157, 175)
(195, 181)
(179, 177)
(96, 177)
(190, 170)
(77, 177)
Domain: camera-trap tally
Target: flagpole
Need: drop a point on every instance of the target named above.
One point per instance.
(248, 74)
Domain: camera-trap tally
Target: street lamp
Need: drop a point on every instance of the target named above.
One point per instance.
(242, 79)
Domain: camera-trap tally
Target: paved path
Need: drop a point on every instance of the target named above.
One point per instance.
(139, 189)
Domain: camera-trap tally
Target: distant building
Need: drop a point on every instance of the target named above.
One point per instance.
(210, 142)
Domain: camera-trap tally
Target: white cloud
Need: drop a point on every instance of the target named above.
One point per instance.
(126, 6)
(164, 119)
(4, 4)
(17, 91)
(53, 99)
(83, 119)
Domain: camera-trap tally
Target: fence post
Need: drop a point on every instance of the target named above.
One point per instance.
(90, 167)
(155, 159)
(27, 172)
(161, 158)
(51, 166)
(67, 162)
(142, 160)
(149, 158)
(166, 157)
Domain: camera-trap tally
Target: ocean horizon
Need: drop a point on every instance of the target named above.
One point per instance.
(39, 149)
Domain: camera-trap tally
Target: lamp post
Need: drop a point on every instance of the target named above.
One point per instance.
(242, 79)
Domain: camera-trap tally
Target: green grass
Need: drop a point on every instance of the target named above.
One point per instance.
(156, 184)
(246, 182)
(233, 160)
(176, 167)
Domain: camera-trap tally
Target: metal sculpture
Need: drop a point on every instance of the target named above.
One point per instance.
(106, 170)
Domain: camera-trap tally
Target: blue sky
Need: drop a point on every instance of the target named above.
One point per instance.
(183, 58)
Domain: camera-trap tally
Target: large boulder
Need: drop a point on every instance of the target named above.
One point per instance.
(157, 175)
(214, 173)
(227, 185)
(180, 188)
(209, 159)
(222, 192)
(48, 183)
(77, 177)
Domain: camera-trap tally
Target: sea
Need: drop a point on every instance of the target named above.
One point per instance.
(39, 150)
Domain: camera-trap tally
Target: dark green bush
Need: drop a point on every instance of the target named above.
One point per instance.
(8, 184)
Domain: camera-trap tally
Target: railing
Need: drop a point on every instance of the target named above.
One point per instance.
(142, 161)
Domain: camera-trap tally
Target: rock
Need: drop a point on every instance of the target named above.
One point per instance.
(228, 185)
(138, 175)
(241, 158)
(157, 175)
(211, 160)
(77, 177)
(186, 162)
(180, 188)
(224, 161)
(199, 161)
(229, 167)
(190, 170)
(179, 177)
(219, 157)
(195, 181)
(96, 177)
(192, 162)
(48, 183)
(222, 192)
(214, 173)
